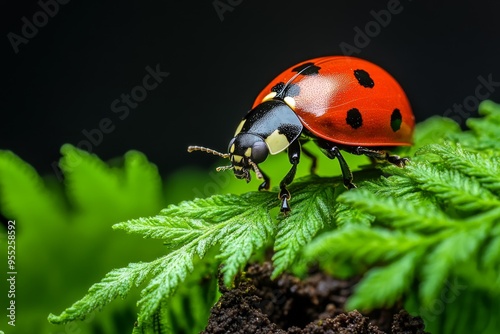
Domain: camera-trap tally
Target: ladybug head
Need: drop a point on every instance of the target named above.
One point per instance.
(245, 152)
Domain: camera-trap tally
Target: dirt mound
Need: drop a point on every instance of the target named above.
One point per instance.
(289, 305)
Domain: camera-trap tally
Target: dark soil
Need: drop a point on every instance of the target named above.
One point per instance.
(288, 305)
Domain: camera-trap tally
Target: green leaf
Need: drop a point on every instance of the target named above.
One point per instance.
(24, 195)
(390, 211)
(72, 243)
(491, 255)
(312, 202)
(384, 286)
(483, 167)
(157, 324)
(453, 250)
(238, 224)
(432, 130)
(92, 184)
(347, 215)
(484, 133)
(117, 283)
(487, 131)
(247, 236)
(463, 192)
(361, 245)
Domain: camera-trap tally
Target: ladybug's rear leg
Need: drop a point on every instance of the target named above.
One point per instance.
(284, 194)
(346, 171)
(380, 155)
(314, 160)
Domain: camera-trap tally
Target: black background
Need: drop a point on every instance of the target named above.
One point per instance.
(65, 78)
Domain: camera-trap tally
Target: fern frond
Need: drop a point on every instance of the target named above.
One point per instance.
(238, 224)
(453, 249)
(312, 206)
(94, 186)
(484, 168)
(24, 195)
(434, 129)
(358, 244)
(484, 133)
(422, 226)
(117, 283)
(491, 254)
(451, 187)
(244, 236)
(384, 286)
(391, 212)
(157, 324)
(486, 129)
(347, 215)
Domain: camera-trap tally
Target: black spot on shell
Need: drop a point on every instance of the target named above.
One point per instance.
(354, 118)
(396, 120)
(289, 90)
(307, 69)
(364, 78)
(278, 87)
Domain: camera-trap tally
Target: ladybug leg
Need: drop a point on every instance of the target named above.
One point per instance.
(284, 194)
(381, 155)
(333, 152)
(266, 184)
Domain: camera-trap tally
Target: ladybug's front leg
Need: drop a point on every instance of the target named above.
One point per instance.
(266, 183)
(284, 194)
(380, 155)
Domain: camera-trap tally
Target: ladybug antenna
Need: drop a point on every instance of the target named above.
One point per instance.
(223, 168)
(280, 93)
(208, 150)
(256, 169)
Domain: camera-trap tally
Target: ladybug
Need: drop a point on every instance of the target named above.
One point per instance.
(339, 102)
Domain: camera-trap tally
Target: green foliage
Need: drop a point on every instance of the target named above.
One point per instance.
(313, 201)
(64, 237)
(434, 237)
(427, 234)
(236, 226)
(222, 229)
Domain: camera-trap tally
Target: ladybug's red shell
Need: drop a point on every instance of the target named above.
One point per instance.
(346, 100)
